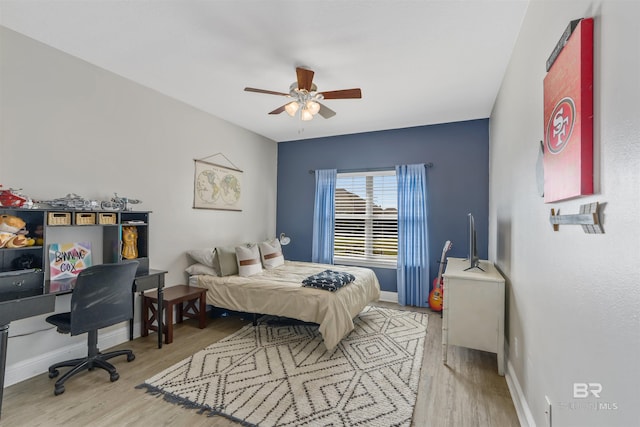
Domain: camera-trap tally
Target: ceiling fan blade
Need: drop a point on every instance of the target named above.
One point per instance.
(343, 94)
(305, 78)
(326, 112)
(268, 92)
(278, 110)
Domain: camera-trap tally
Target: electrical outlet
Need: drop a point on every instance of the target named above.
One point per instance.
(547, 411)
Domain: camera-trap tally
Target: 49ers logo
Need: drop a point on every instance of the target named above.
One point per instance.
(560, 125)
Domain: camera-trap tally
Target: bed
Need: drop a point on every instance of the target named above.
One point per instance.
(279, 292)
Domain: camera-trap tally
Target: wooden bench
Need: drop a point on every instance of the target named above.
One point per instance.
(190, 301)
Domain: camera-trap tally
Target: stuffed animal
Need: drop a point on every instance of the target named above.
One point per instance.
(13, 233)
(11, 224)
(17, 241)
(5, 237)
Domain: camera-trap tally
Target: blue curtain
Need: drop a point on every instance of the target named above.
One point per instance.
(413, 248)
(324, 216)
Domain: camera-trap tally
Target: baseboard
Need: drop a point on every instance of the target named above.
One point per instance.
(389, 296)
(522, 408)
(39, 364)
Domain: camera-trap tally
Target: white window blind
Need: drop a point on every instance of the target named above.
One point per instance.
(366, 221)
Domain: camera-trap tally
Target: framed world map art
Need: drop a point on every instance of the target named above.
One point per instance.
(217, 187)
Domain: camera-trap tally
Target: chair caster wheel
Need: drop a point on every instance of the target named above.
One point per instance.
(58, 390)
(53, 374)
(114, 377)
(131, 357)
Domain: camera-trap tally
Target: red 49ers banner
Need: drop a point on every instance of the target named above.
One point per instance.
(568, 117)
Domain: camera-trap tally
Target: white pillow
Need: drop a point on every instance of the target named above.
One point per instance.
(204, 256)
(197, 269)
(248, 260)
(271, 253)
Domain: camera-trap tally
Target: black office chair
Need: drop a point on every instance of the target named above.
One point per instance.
(102, 296)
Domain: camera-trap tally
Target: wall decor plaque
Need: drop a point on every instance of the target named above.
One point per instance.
(568, 118)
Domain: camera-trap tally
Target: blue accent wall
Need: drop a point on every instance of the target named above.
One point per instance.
(458, 182)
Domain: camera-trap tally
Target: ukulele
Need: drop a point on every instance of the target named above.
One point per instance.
(436, 296)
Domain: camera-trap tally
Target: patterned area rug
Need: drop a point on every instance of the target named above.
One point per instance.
(283, 375)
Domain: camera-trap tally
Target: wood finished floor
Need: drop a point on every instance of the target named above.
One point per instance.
(468, 392)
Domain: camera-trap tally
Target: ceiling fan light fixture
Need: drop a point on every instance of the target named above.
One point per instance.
(305, 115)
(304, 97)
(313, 107)
(291, 108)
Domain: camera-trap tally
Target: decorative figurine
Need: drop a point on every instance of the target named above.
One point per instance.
(118, 203)
(70, 201)
(130, 242)
(11, 198)
(125, 201)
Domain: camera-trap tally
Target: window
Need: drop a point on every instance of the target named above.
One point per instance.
(366, 221)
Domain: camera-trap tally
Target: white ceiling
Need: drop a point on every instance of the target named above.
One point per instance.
(417, 62)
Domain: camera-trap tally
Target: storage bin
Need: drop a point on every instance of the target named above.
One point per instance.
(85, 218)
(59, 218)
(107, 218)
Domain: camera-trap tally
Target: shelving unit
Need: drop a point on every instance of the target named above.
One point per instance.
(112, 238)
(21, 277)
(23, 288)
(16, 274)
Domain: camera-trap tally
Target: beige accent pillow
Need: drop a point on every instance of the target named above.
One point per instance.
(227, 262)
(271, 253)
(205, 256)
(248, 260)
(201, 269)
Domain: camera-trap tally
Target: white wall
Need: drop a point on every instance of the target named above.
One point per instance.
(67, 126)
(573, 298)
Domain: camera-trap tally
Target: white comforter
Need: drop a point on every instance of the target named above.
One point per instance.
(279, 292)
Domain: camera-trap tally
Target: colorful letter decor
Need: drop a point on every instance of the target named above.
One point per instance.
(568, 116)
(66, 260)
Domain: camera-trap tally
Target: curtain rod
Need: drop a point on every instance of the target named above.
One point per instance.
(426, 165)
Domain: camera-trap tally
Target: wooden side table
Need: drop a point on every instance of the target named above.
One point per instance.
(153, 279)
(190, 301)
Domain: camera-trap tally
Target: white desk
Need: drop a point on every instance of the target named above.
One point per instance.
(473, 312)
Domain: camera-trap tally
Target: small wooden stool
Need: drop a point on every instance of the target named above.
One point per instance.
(174, 296)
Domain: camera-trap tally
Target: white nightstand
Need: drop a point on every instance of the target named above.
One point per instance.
(473, 312)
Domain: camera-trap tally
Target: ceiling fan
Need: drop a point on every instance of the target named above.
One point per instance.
(306, 98)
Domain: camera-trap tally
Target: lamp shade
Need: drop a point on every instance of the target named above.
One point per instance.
(305, 115)
(291, 108)
(284, 240)
(313, 107)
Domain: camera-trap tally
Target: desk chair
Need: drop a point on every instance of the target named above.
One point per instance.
(102, 296)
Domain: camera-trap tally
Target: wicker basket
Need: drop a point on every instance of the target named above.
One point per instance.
(107, 218)
(85, 218)
(59, 218)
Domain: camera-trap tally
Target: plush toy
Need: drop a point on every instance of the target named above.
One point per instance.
(17, 241)
(11, 224)
(13, 233)
(5, 237)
